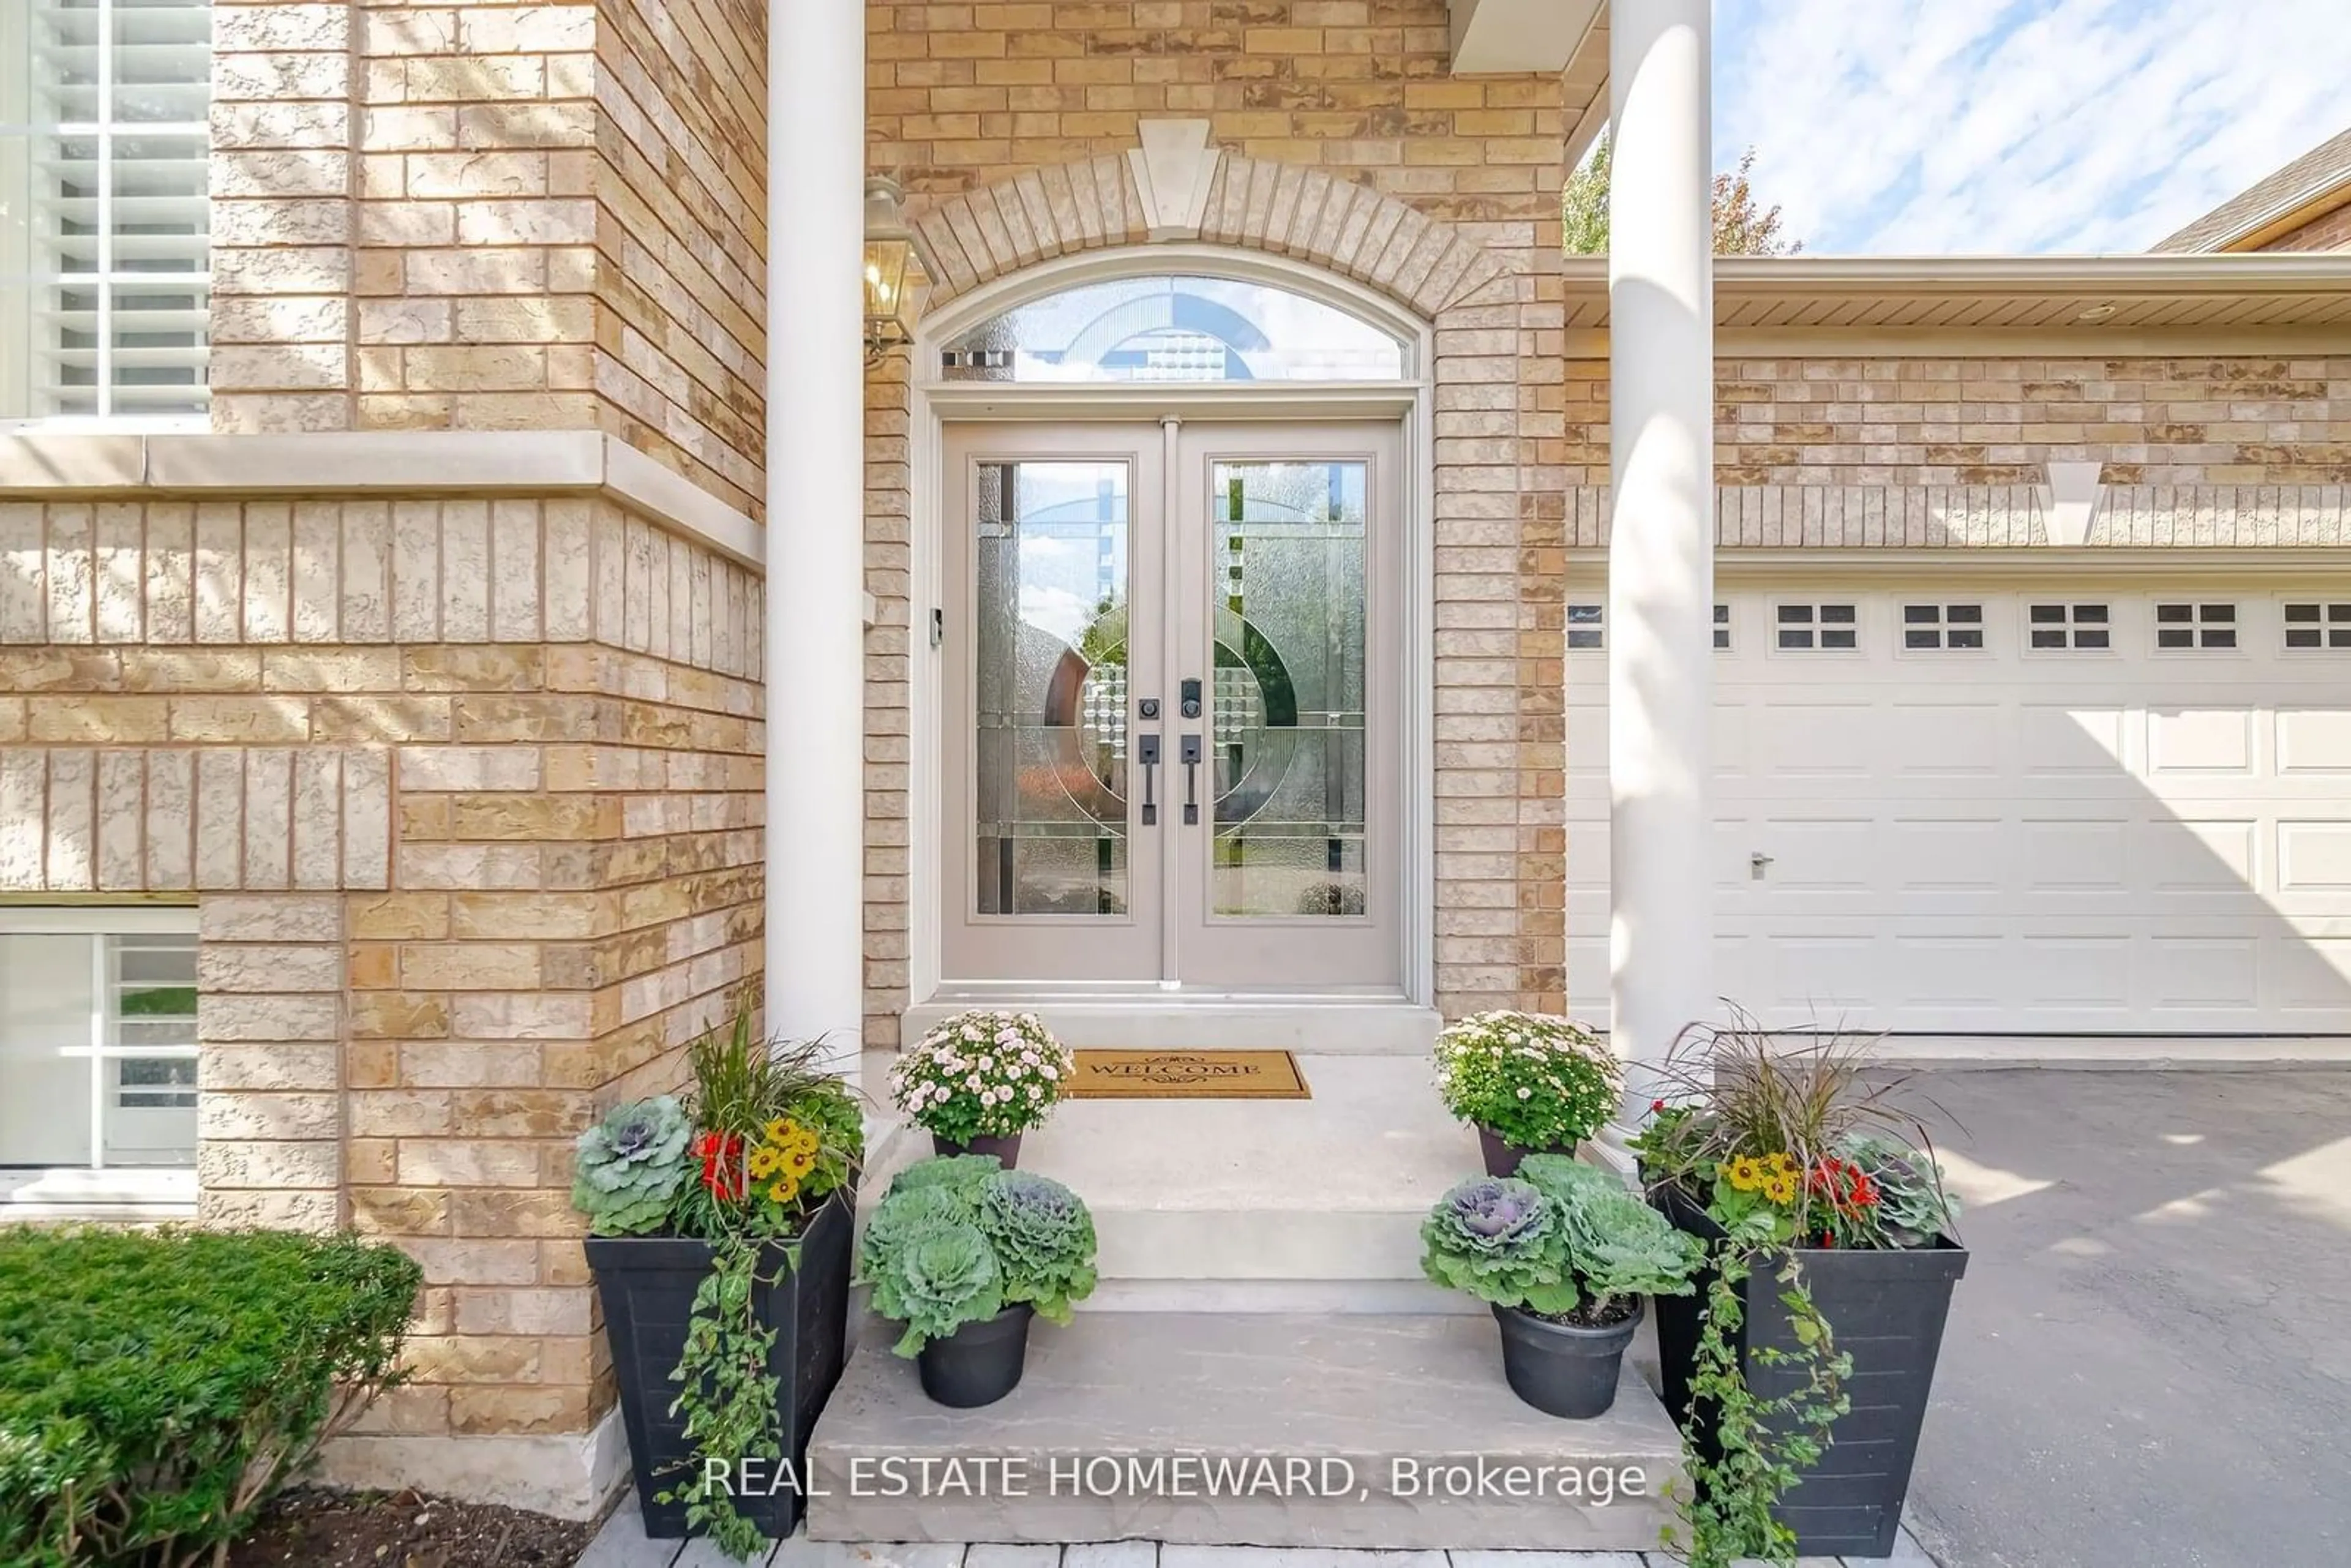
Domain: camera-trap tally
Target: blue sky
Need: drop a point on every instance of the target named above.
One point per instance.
(1947, 127)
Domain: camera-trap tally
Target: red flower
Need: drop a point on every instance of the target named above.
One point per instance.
(722, 1167)
(1656, 1106)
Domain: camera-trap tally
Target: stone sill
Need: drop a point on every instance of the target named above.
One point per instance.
(123, 1197)
(375, 463)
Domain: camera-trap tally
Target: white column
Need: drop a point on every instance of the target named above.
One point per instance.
(1661, 552)
(816, 521)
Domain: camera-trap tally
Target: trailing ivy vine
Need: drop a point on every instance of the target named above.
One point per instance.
(726, 1395)
(1764, 1446)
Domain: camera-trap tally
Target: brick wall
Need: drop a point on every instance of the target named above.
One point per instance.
(2171, 421)
(468, 795)
(493, 216)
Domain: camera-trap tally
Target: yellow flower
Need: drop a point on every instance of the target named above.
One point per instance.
(1778, 1164)
(1780, 1188)
(763, 1162)
(777, 1129)
(799, 1162)
(787, 1187)
(1746, 1174)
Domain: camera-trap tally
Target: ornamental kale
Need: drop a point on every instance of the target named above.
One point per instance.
(630, 1166)
(938, 1278)
(1499, 1239)
(1043, 1238)
(944, 1170)
(1614, 1244)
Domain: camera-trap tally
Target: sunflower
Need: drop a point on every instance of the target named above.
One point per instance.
(1746, 1173)
(764, 1161)
(787, 1187)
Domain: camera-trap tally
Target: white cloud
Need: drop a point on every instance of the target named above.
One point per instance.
(1940, 127)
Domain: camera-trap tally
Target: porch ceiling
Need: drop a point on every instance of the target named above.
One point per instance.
(2115, 294)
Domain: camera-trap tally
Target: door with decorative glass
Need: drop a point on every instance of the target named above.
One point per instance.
(1174, 683)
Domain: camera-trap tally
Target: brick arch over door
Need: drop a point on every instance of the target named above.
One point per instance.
(1427, 265)
(1498, 445)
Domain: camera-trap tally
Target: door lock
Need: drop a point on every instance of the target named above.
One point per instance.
(1190, 706)
(1147, 708)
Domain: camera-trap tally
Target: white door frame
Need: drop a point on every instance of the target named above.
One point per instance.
(932, 403)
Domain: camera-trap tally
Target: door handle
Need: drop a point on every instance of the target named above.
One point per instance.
(1756, 860)
(1190, 757)
(1146, 752)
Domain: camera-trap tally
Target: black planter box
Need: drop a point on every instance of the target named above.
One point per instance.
(1885, 1309)
(647, 1285)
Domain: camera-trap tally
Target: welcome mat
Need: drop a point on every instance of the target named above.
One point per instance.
(1187, 1075)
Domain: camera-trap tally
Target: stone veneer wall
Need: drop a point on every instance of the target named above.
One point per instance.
(2238, 420)
(466, 793)
(1353, 146)
(493, 216)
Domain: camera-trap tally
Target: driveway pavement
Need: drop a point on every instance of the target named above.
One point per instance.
(2149, 1365)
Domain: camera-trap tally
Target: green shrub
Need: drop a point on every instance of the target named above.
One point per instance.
(156, 1389)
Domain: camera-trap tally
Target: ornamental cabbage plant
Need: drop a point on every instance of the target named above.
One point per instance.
(1533, 1081)
(1614, 1244)
(1043, 1238)
(981, 1074)
(1499, 1239)
(937, 1278)
(630, 1166)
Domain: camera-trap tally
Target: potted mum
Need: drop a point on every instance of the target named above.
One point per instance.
(964, 1253)
(1832, 1256)
(978, 1081)
(1564, 1254)
(719, 1228)
(1526, 1081)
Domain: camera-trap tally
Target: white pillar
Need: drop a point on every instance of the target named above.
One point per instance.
(1660, 613)
(816, 522)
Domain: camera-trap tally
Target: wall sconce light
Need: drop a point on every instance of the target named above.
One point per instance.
(889, 247)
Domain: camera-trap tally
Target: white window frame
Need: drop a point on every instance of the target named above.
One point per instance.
(2237, 623)
(2026, 625)
(1723, 635)
(15, 35)
(51, 1191)
(1942, 626)
(1817, 626)
(2327, 627)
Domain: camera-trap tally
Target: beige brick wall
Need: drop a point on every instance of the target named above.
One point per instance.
(2331, 231)
(467, 794)
(2240, 420)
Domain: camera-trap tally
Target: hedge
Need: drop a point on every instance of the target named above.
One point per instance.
(157, 1388)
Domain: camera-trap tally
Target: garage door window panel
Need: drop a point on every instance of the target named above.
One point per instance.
(1817, 628)
(2072, 626)
(2197, 627)
(2311, 627)
(1942, 628)
(1586, 627)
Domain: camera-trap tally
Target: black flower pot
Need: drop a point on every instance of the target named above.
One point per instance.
(978, 1364)
(646, 1284)
(1503, 1159)
(1560, 1369)
(1885, 1309)
(1006, 1150)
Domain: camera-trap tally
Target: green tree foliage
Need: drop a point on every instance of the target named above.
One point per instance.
(1742, 226)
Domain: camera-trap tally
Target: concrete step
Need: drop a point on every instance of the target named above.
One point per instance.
(1394, 1432)
(1277, 1206)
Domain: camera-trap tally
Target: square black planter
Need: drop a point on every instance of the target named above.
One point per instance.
(1886, 1310)
(647, 1283)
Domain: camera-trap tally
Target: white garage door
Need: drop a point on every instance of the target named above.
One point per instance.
(2065, 809)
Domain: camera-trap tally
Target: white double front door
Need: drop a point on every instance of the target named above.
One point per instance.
(1172, 679)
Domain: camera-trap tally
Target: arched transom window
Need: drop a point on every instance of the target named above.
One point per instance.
(1175, 328)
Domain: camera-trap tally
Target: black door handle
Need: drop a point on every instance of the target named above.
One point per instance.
(1190, 757)
(1146, 752)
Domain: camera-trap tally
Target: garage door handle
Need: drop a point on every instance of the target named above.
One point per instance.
(1756, 860)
